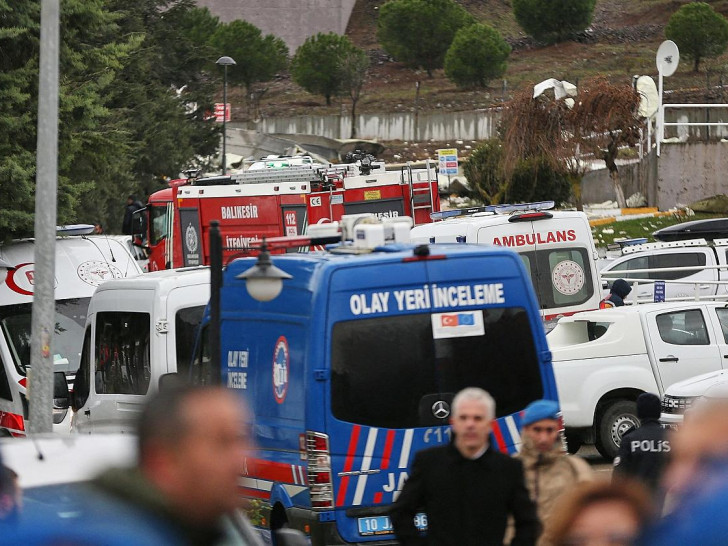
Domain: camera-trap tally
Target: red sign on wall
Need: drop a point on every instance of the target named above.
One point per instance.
(220, 111)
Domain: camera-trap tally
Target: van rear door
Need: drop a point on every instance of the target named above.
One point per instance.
(120, 370)
(558, 251)
(400, 352)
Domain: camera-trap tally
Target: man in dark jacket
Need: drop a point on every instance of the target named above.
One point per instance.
(620, 290)
(132, 205)
(644, 451)
(466, 488)
(192, 447)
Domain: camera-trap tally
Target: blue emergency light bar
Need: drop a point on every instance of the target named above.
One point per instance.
(495, 209)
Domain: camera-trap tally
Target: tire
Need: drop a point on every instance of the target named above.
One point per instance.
(573, 442)
(617, 418)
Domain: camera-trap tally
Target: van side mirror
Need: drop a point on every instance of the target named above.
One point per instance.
(290, 537)
(61, 397)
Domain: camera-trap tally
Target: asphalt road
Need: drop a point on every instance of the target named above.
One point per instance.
(597, 462)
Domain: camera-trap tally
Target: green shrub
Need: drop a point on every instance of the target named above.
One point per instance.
(552, 21)
(477, 55)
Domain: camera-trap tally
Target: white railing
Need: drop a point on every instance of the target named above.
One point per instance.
(697, 285)
(661, 123)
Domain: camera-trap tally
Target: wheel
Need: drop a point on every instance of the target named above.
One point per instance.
(616, 419)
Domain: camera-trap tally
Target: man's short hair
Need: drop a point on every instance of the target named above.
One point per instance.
(474, 394)
(163, 420)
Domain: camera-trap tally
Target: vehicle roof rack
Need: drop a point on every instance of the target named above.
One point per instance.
(493, 209)
(671, 244)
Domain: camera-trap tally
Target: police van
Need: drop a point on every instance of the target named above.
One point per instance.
(352, 369)
(137, 330)
(557, 248)
(82, 264)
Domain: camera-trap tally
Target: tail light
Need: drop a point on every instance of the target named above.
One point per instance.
(319, 470)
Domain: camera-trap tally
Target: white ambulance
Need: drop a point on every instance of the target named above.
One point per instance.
(556, 246)
(137, 330)
(82, 264)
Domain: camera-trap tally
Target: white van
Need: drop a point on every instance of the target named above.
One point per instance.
(556, 246)
(82, 264)
(137, 330)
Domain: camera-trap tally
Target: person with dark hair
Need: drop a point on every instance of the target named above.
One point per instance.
(600, 512)
(620, 290)
(192, 443)
(132, 205)
(467, 489)
(549, 470)
(644, 451)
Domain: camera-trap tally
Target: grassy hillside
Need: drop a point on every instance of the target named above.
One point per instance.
(621, 42)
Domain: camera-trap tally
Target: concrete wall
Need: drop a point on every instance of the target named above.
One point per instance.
(291, 20)
(688, 172)
(440, 126)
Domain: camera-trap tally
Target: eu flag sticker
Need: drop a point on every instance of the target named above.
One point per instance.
(459, 324)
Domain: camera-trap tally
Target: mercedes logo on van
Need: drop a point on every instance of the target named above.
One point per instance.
(441, 409)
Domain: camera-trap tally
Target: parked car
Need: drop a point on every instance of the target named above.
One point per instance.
(681, 396)
(604, 359)
(689, 268)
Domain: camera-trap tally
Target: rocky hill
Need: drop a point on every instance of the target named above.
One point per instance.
(621, 42)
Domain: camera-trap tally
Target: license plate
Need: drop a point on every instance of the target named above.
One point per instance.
(382, 525)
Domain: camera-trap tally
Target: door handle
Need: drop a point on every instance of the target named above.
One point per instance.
(669, 359)
(87, 413)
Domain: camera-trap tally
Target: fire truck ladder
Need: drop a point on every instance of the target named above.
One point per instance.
(421, 198)
(282, 175)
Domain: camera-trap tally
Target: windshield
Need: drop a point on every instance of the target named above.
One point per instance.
(15, 322)
(385, 370)
(158, 229)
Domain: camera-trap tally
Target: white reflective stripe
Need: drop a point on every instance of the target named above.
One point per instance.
(293, 490)
(406, 446)
(303, 476)
(252, 483)
(294, 471)
(365, 465)
(513, 429)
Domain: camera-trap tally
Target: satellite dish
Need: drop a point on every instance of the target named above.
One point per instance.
(668, 57)
(649, 99)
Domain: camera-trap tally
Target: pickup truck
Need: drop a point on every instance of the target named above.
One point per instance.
(689, 268)
(603, 360)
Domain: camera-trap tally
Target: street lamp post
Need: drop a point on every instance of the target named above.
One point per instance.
(225, 62)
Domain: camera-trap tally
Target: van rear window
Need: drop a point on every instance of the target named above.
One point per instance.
(561, 277)
(122, 353)
(384, 370)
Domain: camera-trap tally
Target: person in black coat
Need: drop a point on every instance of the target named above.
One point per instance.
(644, 451)
(132, 205)
(466, 488)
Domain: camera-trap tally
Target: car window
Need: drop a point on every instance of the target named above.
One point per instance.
(122, 353)
(639, 262)
(723, 319)
(675, 259)
(683, 328)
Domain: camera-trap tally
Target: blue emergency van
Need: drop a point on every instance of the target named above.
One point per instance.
(352, 369)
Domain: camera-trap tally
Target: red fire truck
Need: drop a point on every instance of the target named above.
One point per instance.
(276, 202)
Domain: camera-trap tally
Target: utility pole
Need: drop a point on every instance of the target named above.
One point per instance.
(43, 319)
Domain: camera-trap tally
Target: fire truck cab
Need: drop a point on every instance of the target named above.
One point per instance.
(273, 202)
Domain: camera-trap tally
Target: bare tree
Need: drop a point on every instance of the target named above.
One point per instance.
(354, 66)
(603, 119)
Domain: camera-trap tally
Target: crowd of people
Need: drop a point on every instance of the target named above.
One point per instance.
(666, 488)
